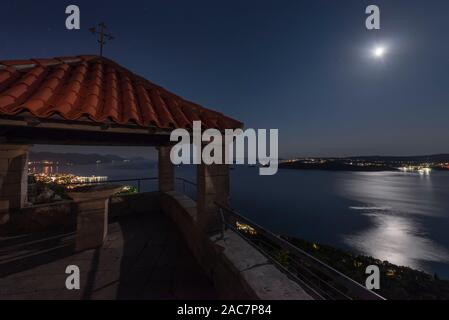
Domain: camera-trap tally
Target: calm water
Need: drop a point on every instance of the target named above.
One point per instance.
(399, 217)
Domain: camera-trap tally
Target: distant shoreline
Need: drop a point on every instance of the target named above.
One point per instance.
(421, 164)
(335, 166)
(51, 158)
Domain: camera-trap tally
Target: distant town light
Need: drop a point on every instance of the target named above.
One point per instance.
(425, 171)
(68, 179)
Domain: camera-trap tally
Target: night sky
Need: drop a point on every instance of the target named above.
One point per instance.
(304, 67)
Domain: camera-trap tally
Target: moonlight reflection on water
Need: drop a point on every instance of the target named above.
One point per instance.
(397, 240)
(394, 205)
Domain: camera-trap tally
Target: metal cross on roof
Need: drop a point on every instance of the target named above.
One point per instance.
(103, 35)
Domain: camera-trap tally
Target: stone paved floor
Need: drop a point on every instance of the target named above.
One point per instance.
(144, 257)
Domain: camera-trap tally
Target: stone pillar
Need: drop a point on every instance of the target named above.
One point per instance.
(4, 208)
(166, 170)
(91, 207)
(14, 175)
(213, 186)
(92, 224)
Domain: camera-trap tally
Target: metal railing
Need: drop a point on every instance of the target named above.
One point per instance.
(320, 280)
(139, 181)
(186, 182)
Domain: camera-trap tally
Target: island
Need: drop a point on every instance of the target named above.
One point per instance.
(420, 164)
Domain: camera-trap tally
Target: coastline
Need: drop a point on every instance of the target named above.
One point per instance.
(336, 167)
(397, 282)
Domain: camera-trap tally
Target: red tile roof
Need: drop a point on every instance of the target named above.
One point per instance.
(99, 90)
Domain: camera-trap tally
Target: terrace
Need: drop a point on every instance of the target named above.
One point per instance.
(153, 245)
(143, 257)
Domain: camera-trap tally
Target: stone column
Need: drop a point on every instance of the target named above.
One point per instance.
(91, 205)
(14, 175)
(4, 208)
(166, 170)
(213, 186)
(92, 224)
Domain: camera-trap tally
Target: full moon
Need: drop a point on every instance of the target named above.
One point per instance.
(379, 52)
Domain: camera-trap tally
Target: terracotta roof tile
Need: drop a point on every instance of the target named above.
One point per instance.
(97, 89)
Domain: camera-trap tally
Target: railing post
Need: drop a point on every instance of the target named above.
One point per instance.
(224, 226)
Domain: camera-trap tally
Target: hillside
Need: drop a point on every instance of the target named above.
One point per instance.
(76, 158)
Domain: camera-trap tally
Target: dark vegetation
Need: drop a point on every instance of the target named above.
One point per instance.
(397, 283)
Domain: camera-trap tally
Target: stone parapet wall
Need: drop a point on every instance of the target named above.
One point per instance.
(63, 215)
(141, 203)
(41, 218)
(238, 270)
